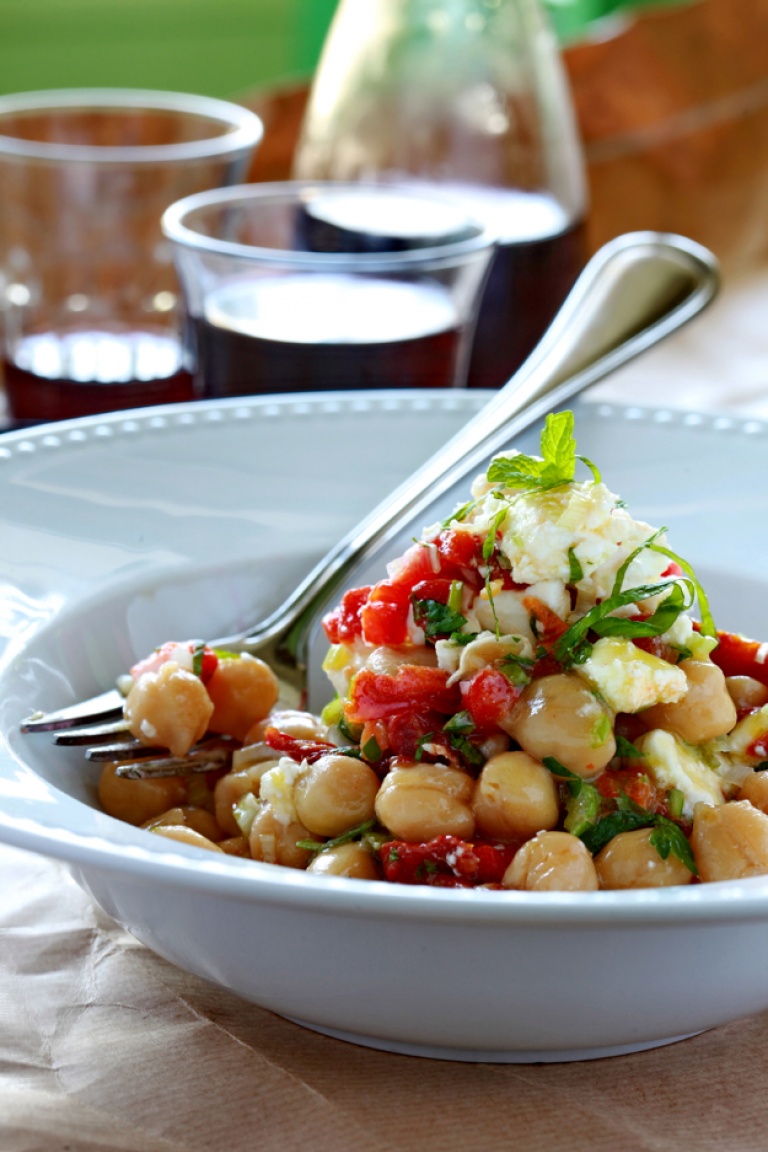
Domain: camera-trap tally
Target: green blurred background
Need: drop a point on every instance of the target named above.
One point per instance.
(216, 47)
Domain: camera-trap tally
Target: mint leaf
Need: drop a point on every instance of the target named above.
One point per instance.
(626, 749)
(427, 738)
(198, 652)
(575, 570)
(371, 750)
(437, 619)
(517, 669)
(558, 447)
(600, 620)
(668, 839)
(707, 622)
(460, 722)
(574, 782)
(347, 837)
(458, 728)
(489, 543)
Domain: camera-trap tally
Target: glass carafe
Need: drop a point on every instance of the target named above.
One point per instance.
(470, 94)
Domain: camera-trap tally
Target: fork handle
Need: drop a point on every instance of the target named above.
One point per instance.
(636, 290)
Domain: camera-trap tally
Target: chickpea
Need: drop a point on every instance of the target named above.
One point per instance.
(559, 716)
(231, 788)
(243, 689)
(185, 816)
(705, 712)
(631, 861)
(136, 801)
(730, 841)
(552, 862)
(336, 793)
(302, 725)
(755, 789)
(351, 860)
(169, 708)
(515, 797)
(235, 846)
(276, 841)
(184, 835)
(417, 802)
(746, 693)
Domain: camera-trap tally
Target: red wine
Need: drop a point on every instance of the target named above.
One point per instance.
(540, 254)
(58, 376)
(323, 332)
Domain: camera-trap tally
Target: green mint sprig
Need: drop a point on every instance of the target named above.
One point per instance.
(558, 463)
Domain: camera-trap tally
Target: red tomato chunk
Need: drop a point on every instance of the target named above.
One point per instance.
(445, 861)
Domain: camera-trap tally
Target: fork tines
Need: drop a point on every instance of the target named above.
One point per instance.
(158, 762)
(98, 710)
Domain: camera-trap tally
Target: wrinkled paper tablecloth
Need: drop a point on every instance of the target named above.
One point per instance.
(103, 1045)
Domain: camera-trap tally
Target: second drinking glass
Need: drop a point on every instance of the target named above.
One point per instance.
(304, 287)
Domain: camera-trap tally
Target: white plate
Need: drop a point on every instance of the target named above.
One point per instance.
(120, 532)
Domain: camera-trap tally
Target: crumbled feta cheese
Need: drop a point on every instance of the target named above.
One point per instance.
(277, 788)
(541, 528)
(749, 738)
(673, 764)
(629, 679)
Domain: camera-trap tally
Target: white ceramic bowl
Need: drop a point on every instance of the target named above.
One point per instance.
(120, 532)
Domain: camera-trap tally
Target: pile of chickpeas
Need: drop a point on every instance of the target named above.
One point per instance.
(514, 798)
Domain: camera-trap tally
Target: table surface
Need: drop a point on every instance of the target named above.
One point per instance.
(103, 1045)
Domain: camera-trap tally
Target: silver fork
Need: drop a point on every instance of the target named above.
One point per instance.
(634, 292)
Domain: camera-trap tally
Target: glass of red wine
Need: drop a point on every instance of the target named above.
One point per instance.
(304, 287)
(90, 320)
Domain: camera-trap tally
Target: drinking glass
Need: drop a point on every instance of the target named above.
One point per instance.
(89, 299)
(297, 287)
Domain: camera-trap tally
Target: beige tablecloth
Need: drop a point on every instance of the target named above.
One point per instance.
(105, 1046)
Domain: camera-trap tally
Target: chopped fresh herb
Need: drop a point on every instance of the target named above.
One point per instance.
(707, 622)
(574, 782)
(437, 619)
(356, 833)
(576, 572)
(667, 838)
(371, 750)
(600, 620)
(626, 749)
(393, 855)
(517, 669)
(458, 728)
(460, 513)
(461, 722)
(463, 638)
(198, 652)
(420, 747)
(582, 810)
(599, 834)
(557, 467)
(683, 653)
(489, 544)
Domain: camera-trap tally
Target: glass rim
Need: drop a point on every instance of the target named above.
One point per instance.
(175, 229)
(242, 129)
